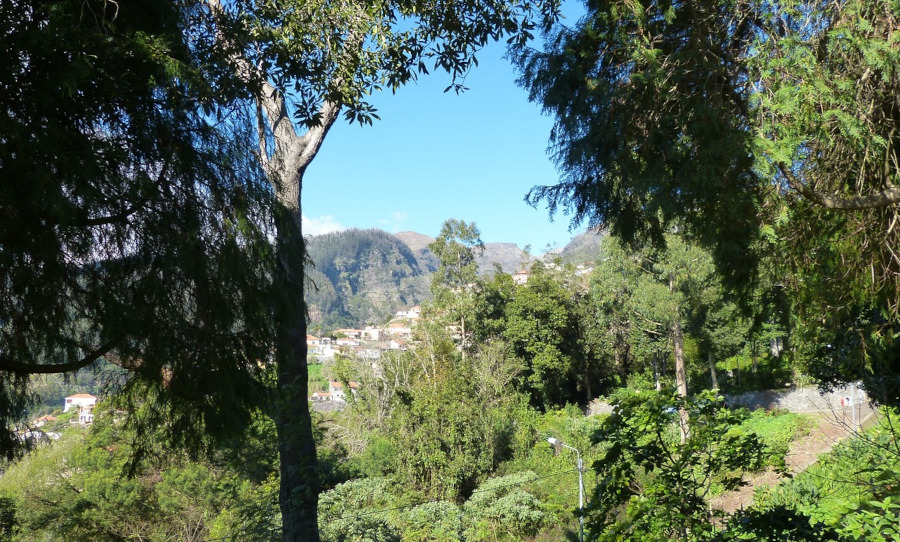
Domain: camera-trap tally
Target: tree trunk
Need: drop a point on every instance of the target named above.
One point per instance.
(656, 376)
(285, 165)
(678, 344)
(298, 495)
(587, 384)
(755, 350)
(712, 371)
(680, 371)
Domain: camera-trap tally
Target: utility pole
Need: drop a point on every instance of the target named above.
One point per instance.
(557, 442)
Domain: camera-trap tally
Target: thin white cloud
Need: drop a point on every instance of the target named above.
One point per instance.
(321, 225)
(395, 223)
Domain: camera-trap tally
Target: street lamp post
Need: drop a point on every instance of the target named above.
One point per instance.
(557, 442)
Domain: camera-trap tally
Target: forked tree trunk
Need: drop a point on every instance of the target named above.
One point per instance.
(680, 373)
(285, 165)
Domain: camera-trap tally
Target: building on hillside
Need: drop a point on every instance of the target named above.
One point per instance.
(320, 396)
(409, 314)
(313, 344)
(85, 403)
(86, 415)
(399, 329)
(349, 333)
(81, 400)
(43, 420)
(371, 333)
(521, 277)
(337, 390)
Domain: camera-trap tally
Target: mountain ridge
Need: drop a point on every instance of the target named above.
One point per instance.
(361, 277)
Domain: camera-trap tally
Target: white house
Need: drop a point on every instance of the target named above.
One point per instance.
(371, 333)
(313, 344)
(410, 314)
(86, 415)
(320, 396)
(521, 277)
(399, 329)
(349, 333)
(81, 400)
(336, 389)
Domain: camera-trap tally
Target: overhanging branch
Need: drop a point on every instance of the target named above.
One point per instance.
(884, 198)
(7, 363)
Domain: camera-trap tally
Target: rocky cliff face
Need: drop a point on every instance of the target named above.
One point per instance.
(509, 256)
(584, 248)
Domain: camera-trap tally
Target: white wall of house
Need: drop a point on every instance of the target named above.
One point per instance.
(79, 400)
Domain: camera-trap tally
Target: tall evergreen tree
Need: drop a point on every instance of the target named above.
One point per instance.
(742, 120)
(134, 227)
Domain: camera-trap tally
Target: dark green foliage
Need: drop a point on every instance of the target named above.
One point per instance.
(445, 440)
(754, 128)
(76, 489)
(865, 349)
(774, 524)
(134, 227)
(649, 122)
(9, 524)
(542, 327)
(549, 326)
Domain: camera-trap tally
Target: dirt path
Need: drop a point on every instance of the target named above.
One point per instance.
(830, 428)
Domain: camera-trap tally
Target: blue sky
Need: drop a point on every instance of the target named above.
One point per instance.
(435, 155)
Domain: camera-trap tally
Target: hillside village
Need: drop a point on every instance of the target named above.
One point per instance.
(370, 342)
(367, 343)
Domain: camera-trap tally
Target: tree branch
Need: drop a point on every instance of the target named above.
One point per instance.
(884, 198)
(13, 366)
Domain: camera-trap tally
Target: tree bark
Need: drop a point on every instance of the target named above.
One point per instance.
(712, 371)
(298, 494)
(755, 350)
(680, 371)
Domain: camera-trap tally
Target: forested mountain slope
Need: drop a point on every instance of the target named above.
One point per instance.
(359, 277)
(362, 276)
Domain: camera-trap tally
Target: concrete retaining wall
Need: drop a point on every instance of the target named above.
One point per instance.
(807, 399)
